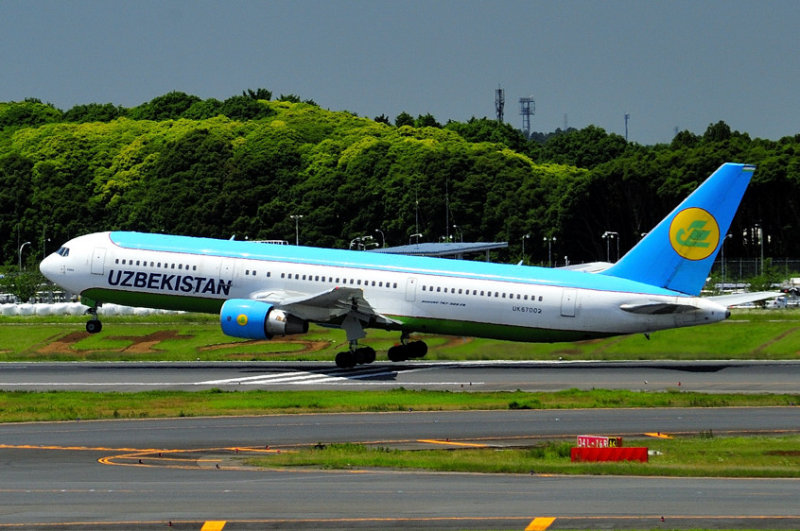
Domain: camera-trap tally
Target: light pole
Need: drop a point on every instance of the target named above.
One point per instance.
(722, 259)
(417, 235)
(525, 237)
(458, 231)
(21, 247)
(760, 236)
(549, 240)
(44, 242)
(383, 238)
(607, 235)
(296, 218)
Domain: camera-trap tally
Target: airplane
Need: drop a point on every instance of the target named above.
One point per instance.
(263, 290)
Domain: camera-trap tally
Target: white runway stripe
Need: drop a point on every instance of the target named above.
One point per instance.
(305, 377)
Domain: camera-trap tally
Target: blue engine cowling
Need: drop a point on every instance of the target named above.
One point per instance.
(252, 319)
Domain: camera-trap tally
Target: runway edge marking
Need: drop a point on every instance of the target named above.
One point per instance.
(214, 525)
(540, 524)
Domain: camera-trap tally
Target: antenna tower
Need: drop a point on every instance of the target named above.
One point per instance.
(627, 117)
(499, 103)
(527, 108)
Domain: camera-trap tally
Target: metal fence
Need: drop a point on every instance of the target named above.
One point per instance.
(738, 269)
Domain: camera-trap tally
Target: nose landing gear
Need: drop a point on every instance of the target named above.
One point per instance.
(94, 325)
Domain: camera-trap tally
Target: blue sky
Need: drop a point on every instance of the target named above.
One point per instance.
(681, 64)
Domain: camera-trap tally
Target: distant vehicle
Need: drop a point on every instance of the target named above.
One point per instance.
(262, 291)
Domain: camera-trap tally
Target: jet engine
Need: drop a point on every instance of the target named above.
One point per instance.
(253, 319)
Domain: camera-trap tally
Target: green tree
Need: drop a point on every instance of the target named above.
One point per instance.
(94, 112)
(170, 106)
(24, 284)
(29, 113)
(15, 202)
(258, 94)
(404, 119)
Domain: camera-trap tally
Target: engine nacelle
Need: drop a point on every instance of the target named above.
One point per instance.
(253, 319)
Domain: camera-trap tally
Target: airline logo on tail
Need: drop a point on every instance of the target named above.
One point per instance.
(694, 234)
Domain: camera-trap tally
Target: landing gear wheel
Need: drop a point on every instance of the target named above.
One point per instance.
(345, 360)
(94, 326)
(350, 358)
(406, 351)
(364, 355)
(398, 353)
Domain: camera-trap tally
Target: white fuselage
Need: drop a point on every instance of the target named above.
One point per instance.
(420, 294)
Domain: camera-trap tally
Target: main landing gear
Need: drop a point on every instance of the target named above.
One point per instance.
(94, 325)
(362, 355)
(408, 350)
(355, 356)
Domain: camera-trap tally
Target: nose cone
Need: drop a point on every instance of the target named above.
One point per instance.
(49, 267)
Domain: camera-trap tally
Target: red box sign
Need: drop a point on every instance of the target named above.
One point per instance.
(609, 454)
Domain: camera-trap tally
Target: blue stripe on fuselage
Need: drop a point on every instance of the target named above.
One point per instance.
(378, 261)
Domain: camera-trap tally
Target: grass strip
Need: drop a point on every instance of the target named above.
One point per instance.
(22, 406)
(764, 457)
(190, 337)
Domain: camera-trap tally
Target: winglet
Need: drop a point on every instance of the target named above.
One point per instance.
(679, 252)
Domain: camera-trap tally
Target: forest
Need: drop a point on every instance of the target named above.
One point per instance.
(241, 167)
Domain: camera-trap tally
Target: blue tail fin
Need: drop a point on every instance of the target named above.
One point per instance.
(679, 252)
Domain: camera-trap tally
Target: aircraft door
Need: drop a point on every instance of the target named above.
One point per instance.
(226, 269)
(568, 300)
(98, 260)
(411, 289)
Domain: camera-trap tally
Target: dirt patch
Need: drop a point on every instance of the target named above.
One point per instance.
(64, 344)
(145, 344)
(308, 346)
(139, 344)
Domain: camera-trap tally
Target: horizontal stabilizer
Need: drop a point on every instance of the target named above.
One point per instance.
(658, 308)
(743, 298)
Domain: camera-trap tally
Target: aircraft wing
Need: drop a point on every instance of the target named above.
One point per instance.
(330, 306)
(590, 267)
(743, 298)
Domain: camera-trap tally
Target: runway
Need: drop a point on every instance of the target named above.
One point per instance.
(146, 473)
(188, 472)
(701, 376)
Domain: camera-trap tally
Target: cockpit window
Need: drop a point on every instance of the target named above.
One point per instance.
(64, 251)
